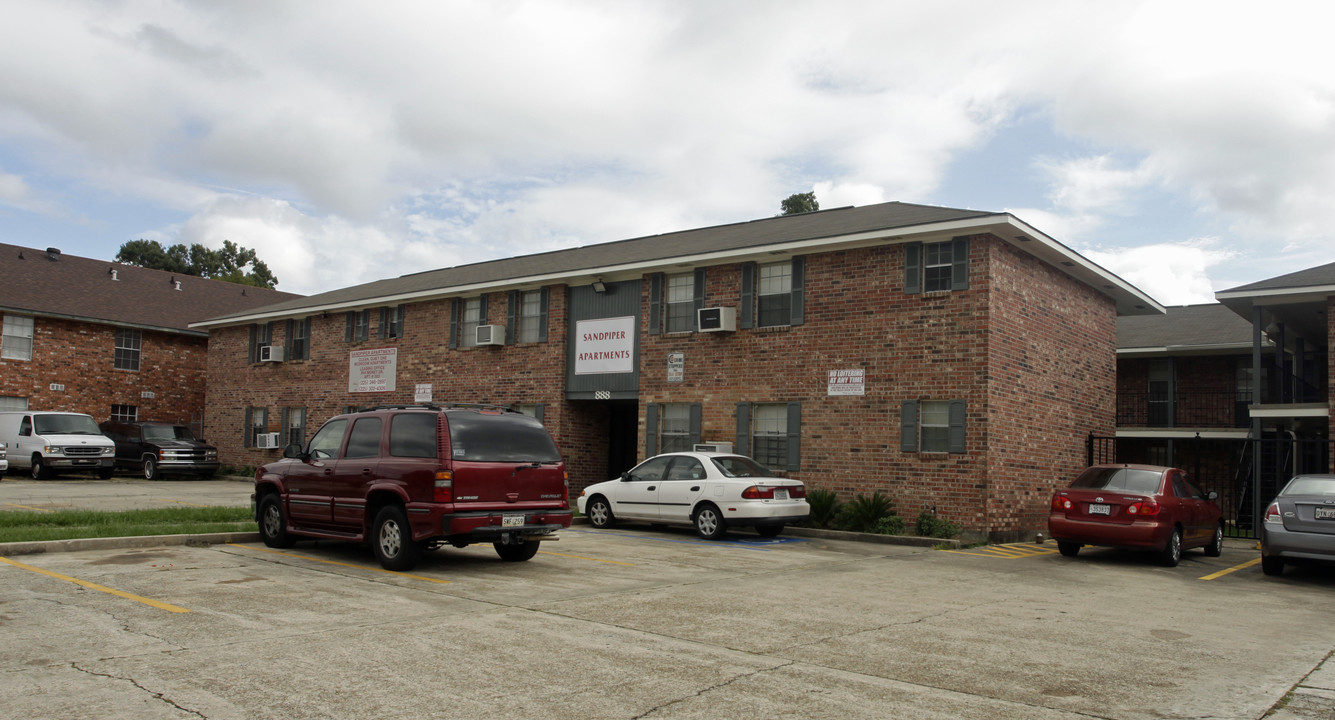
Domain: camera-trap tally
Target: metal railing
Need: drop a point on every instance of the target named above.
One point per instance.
(1184, 409)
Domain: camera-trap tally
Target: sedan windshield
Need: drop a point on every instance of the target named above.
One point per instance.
(1120, 479)
(65, 425)
(738, 466)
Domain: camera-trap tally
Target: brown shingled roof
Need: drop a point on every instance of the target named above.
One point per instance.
(33, 281)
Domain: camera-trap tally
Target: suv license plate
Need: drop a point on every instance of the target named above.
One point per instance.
(1095, 509)
(781, 494)
(512, 520)
(1325, 513)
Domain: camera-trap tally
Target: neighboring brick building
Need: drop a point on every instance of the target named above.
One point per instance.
(952, 359)
(108, 339)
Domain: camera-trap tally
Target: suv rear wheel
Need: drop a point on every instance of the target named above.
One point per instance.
(392, 539)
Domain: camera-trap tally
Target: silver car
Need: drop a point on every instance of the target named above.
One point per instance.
(1300, 523)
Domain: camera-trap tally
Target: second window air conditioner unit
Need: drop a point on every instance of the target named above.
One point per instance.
(713, 447)
(266, 441)
(490, 334)
(717, 319)
(272, 353)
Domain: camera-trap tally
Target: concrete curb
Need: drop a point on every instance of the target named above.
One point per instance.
(911, 540)
(117, 543)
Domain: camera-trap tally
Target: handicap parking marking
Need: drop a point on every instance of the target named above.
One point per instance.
(1013, 551)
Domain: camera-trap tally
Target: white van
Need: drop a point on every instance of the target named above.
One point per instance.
(45, 443)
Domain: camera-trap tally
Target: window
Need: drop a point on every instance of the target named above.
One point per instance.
(681, 303)
(13, 403)
(364, 441)
(771, 433)
(477, 437)
(299, 339)
(936, 267)
(471, 313)
(675, 428)
(128, 345)
(772, 294)
(413, 434)
(257, 423)
(532, 318)
(294, 426)
(16, 344)
(391, 322)
(325, 443)
(358, 326)
(931, 426)
(260, 335)
(124, 413)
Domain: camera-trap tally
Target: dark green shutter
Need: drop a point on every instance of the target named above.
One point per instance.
(959, 263)
(284, 429)
(384, 323)
(287, 341)
(454, 323)
(650, 430)
(540, 411)
(745, 312)
(913, 268)
(697, 422)
(347, 331)
(794, 436)
(798, 295)
(511, 311)
(908, 426)
(743, 428)
(655, 303)
(699, 288)
(254, 330)
(246, 437)
(542, 323)
(955, 435)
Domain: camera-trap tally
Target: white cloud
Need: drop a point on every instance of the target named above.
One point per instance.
(1173, 274)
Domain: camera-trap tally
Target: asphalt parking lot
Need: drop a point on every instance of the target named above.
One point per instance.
(637, 623)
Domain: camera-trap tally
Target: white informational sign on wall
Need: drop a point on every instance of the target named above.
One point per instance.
(373, 370)
(847, 382)
(605, 346)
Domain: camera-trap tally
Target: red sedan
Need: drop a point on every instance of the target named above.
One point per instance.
(1140, 507)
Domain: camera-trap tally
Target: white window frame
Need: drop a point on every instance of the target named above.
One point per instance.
(530, 317)
(124, 413)
(680, 305)
(674, 427)
(129, 346)
(774, 285)
(769, 427)
(934, 426)
(938, 263)
(470, 317)
(16, 343)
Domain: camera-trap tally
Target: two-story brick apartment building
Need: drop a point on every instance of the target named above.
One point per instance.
(949, 358)
(107, 339)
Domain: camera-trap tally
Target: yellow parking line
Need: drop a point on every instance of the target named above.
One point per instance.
(341, 564)
(95, 586)
(1235, 568)
(29, 507)
(581, 557)
(1013, 551)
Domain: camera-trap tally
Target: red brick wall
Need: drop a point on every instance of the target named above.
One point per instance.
(81, 356)
(1052, 382)
(521, 373)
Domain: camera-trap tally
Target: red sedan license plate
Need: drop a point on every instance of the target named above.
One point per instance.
(1096, 509)
(1325, 513)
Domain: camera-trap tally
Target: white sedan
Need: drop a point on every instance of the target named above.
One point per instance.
(708, 490)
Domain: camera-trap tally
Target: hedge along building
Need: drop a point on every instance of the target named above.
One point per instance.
(950, 359)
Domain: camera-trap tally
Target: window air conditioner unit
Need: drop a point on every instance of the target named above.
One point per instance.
(717, 319)
(272, 353)
(266, 441)
(713, 447)
(490, 334)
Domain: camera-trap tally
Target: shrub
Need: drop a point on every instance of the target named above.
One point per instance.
(863, 512)
(929, 525)
(890, 525)
(824, 507)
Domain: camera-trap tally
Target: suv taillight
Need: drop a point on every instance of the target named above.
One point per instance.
(444, 487)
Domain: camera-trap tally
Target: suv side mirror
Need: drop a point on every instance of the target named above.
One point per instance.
(292, 451)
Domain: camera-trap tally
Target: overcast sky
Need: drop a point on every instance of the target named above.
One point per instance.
(1187, 146)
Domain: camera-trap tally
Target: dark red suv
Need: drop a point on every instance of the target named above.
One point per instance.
(412, 478)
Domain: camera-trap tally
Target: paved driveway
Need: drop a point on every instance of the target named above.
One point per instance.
(634, 623)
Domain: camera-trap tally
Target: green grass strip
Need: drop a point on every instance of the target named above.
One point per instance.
(24, 526)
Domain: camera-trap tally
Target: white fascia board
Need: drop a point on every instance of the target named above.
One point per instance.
(1316, 292)
(1217, 349)
(990, 223)
(1290, 411)
(1183, 433)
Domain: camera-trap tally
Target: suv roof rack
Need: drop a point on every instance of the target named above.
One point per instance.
(445, 406)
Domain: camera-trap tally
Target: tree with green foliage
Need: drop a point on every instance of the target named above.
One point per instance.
(798, 203)
(228, 263)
